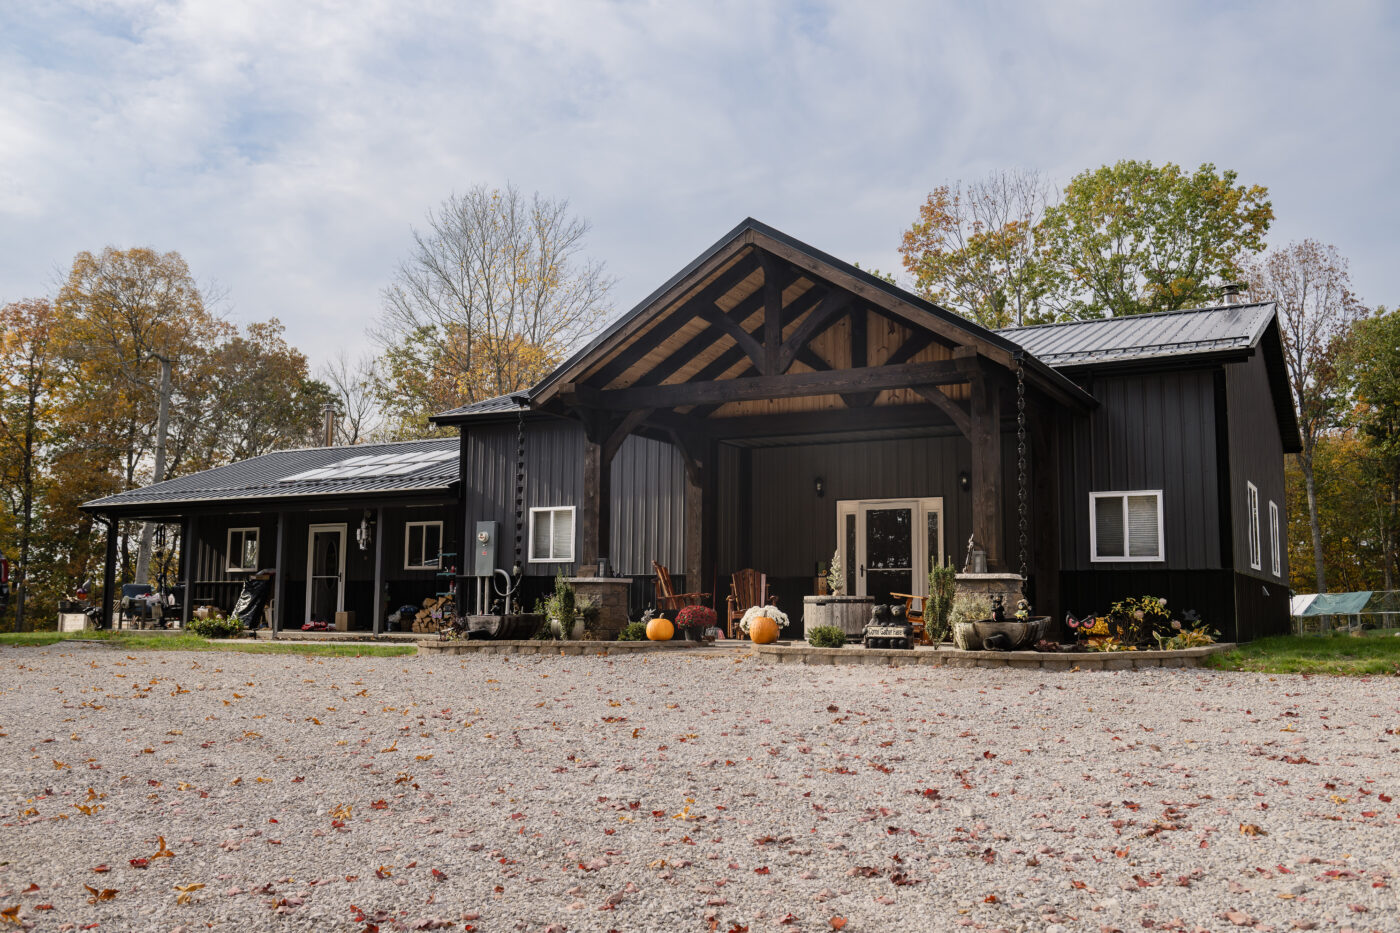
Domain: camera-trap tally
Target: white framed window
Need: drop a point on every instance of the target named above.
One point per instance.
(422, 545)
(552, 535)
(1126, 526)
(1275, 537)
(1256, 545)
(242, 550)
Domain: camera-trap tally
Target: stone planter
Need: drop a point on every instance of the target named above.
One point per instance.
(972, 636)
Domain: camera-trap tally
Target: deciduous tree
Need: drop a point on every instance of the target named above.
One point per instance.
(977, 249)
(1312, 287)
(494, 292)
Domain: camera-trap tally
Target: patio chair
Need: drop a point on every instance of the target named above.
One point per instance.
(667, 599)
(747, 588)
(914, 612)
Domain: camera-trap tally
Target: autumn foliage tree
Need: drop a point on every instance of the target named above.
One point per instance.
(494, 292)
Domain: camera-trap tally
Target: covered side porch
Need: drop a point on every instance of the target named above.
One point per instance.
(820, 410)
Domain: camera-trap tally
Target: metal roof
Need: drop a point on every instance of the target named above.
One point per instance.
(1145, 336)
(499, 405)
(265, 477)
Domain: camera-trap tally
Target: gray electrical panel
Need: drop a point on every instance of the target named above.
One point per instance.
(487, 534)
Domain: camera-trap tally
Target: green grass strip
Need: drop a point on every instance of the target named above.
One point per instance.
(1338, 653)
(136, 641)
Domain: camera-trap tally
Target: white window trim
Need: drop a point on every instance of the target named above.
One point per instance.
(1275, 537)
(229, 565)
(408, 537)
(1161, 555)
(1256, 539)
(573, 542)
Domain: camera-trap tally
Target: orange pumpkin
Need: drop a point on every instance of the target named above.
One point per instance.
(763, 630)
(659, 629)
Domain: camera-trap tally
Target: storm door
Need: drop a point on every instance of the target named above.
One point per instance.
(887, 544)
(325, 573)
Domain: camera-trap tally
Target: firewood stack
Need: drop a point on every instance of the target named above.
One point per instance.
(429, 618)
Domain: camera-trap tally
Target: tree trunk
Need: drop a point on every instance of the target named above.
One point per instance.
(1306, 463)
(143, 556)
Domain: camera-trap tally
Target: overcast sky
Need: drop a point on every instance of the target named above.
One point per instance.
(287, 149)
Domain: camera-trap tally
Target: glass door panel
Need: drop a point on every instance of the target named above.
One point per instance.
(889, 550)
(325, 574)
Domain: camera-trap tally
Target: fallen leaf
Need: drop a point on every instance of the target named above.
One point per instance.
(838, 923)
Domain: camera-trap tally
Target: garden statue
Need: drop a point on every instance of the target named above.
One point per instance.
(998, 608)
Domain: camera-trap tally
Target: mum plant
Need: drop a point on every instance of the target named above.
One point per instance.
(695, 618)
(772, 612)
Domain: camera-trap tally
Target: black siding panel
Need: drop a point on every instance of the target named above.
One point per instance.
(1209, 592)
(1256, 455)
(648, 507)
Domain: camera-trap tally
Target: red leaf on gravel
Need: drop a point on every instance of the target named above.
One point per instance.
(761, 871)
(379, 805)
(838, 923)
(440, 876)
(140, 862)
(101, 868)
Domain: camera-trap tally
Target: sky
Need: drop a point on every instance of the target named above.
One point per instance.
(288, 150)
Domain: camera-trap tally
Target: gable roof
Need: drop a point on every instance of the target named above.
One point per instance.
(1142, 337)
(404, 467)
(499, 405)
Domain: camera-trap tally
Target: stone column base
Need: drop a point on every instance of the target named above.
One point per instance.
(1005, 585)
(609, 594)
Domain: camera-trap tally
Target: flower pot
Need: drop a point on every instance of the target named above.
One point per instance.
(690, 633)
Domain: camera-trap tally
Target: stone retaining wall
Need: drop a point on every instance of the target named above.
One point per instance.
(952, 657)
(507, 646)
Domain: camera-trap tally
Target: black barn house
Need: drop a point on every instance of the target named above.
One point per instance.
(771, 405)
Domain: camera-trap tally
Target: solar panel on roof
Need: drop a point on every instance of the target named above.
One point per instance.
(367, 465)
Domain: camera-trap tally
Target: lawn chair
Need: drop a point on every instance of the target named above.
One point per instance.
(914, 607)
(667, 599)
(747, 588)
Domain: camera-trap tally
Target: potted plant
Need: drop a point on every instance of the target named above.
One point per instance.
(835, 579)
(763, 624)
(942, 589)
(693, 620)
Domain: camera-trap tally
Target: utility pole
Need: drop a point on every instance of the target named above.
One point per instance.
(143, 556)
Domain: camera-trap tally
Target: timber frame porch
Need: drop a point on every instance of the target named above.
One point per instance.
(764, 337)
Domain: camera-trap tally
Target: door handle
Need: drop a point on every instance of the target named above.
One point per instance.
(862, 570)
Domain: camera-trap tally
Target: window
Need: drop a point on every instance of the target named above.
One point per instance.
(552, 535)
(1126, 526)
(1256, 558)
(423, 547)
(1276, 553)
(242, 549)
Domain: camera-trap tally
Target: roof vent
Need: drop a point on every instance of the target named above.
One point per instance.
(1230, 292)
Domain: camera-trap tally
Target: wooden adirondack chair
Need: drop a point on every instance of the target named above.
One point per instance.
(747, 588)
(667, 599)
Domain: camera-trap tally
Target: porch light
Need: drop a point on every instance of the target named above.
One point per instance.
(819, 485)
(364, 535)
(964, 481)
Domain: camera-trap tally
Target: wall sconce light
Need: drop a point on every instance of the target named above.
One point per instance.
(819, 485)
(964, 481)
(364, 535)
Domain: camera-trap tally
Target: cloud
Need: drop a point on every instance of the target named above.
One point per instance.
(287, 149)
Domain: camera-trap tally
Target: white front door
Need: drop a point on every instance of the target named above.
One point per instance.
(886, 545)
(325, 572)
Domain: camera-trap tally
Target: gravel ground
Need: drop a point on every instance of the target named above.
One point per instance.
(686, 793)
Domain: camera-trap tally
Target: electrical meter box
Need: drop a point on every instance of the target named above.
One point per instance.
(487, 534)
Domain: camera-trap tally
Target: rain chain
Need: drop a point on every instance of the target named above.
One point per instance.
(1022, 497)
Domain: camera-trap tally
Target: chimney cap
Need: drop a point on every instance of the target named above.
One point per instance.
(1230, 291)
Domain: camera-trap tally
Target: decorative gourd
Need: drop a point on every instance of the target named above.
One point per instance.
(763, 630)
(659, 629)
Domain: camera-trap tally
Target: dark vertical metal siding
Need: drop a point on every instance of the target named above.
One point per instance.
(729, 500)
(793, 529)
(1151, 431)
(1256, 455)
(648, 506)
(648, 485)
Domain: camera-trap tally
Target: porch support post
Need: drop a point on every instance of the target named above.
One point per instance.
(987, 503)
(189, 557)
(696, 481)
(596, 521)
(279, 575)
(379, 569)
(109, 573)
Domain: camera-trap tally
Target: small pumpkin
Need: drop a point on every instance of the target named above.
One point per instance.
(763, 630)
(659, 629)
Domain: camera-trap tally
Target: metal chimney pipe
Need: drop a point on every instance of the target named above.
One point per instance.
(1230, 292)
(328, 424)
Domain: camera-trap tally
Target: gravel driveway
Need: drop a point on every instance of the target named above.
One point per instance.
(686, 793)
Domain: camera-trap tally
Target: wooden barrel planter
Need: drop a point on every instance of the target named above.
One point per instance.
(848, 613)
